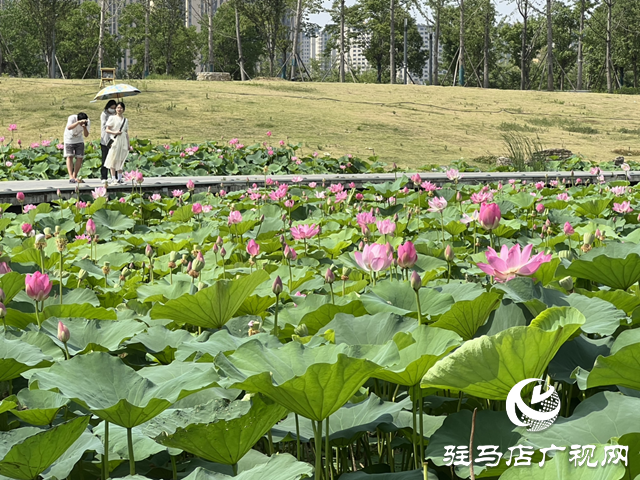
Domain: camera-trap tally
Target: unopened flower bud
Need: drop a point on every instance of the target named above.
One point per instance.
(223, 252)
(301, 330)
(198, 263)
(63, 332)
(458, 197)
(57, 229)
(3, 310)
(567, 284)
(329, 277)
(448, 253)
(277, 286)
(416, 281)
(219, 241)
(148, 251)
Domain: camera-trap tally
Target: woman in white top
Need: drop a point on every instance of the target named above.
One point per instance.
(118, 127)
(109, 110)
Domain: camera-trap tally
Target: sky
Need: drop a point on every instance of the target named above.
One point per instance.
(505, 8)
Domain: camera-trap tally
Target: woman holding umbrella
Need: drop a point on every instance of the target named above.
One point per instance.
(109, 110)
(118, 127)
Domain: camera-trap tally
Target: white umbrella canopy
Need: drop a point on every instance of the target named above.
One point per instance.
(118, 91)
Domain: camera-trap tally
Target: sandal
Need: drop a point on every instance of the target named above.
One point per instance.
(72, 180)
(80, 180)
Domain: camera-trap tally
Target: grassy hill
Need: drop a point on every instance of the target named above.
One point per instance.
(409, 125)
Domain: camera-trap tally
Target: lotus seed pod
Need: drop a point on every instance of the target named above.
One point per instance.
(173, 256)
(201, 285)
(301, 330)
(61, 243)
(565, 254)
(588, 238)
(47, 232)
(567, 283)
(82, 274)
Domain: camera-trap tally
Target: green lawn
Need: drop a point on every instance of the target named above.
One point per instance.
(409, 125)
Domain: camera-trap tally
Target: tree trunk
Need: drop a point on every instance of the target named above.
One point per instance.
(580, 50)
(342, 41)
(524, 65)
(461, 48)
(608, 46)
(296, 35)
(550, 86)
(210, 66)
(379, 65)
(239, 42)
(487, 19)
(635, 72)
(392, 43)
(52, 62)
(103, 11)
(436, 55)
(147, 8)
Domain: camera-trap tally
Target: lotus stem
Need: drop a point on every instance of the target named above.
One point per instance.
(442, 225)
(42, 260)
(234, 467)
(38, 317)
(290, 277)
(298, 447)
(132, 460)
(61, 263)
(275, 322)
(105, 456)
(390, 454)
(66, 351)
(420, 409)
(270, 439)
(332, 298)
(327, 452)
(425, 471)
(415, 431)
(174, 468)
(419, 309)
(318, 445)
(473, 429)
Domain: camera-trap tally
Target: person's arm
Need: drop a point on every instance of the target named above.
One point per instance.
(71, 126)
(85, 127)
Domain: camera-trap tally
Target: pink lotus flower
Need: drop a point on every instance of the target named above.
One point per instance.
(235, 217)
(122, 200)
(196, 208)
(539, 208)
(177, 193)
(91, 227)
(341, 197)
(453, 174)
(253, 248)
(437, 204)
(304, 232)
(281, 142)
(289, 203)
(539, 185)
(359, 196)
(512, 263)
(313, 185)
(375, 257)
(38, 286)
(482, 197)
(27, 228)
(619, 191)
(99, 192)
(46, 143)
(429, 187)
(489, 216)
(29, 207)
(20, 197)
(269, 133)
(386, 226)
(365, 218)
(81, 204)
(207, 208)
(60, 146)
(63, 332)
(290, 253)
(624, 207)
(8, 164)
(4, 268)
(336, 188)
(625, 166)
(407, 255)
(13, 127)
(296, 179)
(155, 197)
(563, 196)
(416, 179)
(568, 229)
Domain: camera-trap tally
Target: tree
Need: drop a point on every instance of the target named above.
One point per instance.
(436, 7)
(21, 50)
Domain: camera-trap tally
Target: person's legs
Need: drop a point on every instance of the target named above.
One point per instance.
(104, 171)
(77, 167)
(70, 167)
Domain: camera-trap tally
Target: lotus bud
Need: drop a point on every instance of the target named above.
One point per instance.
(223, 252)
(63, 332)
(198, 263)
(106, 268)
(588, 238)
(284, 217)
(61, 243)
(3, 310)
(416, 281)
(82, 274)
(277, 286)
(148, 251)
(219, 241)
(458, 197)
(2, 295)
(47, 233)
(395, 217)
(448, 253)
(91, 227)
(567, 284)
(261, 218)
(568, 229)
(301, 330)
(329, 276)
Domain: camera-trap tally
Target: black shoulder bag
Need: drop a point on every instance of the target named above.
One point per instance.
(113, 139)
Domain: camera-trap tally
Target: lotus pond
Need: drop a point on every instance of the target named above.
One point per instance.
(315, 331)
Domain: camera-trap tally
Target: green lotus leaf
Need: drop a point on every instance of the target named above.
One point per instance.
(37, 407)
(579, 352)
(561, 466)
(62, 467)
(492, 428)
(229, 432)
(113, 220)
(17, 357)
(12, 283)
(408, 475)
(593, 207)
(6, 405)
(92, 335)
(426, 345)
(617, 265)
(159, 292)
(622, 367)
(489, 366)
(160, 342)
(400, 298)
(311, 381)
(143, 446)
(464, 318)
(596, 420)
(368, 329)
(624, 301)
(27, 452)
(632, 440)
(350, 422)
(281, 466)
(207, 346)
(213, 306)
(119, 394)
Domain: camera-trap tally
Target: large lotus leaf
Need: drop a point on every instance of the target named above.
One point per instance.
(27, 452)
(624, 301)
(22, 319)
(579, 352)
(509, 314)
(400, 298)
(597, 419)
(12, 283)
(617, 265)
(37, 407)
(163, 292)
(143, 446)
(319, 318)
(206, 349)
(311, 381)
(426, 345)
(408, 475)
(622, 367)
(213, 306)
(464, 318)
(117, 393)
(62, 467)
(349, 423)
(533, 295)
(562, 466)
(632, 440)
(368, 329)
(160, 342)
(7, 404)
(230, 431)
(113, 220)
(492, 428)
(461, 291)
(489, 366)
(17, 357)
(92, 335)
(281, 466)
